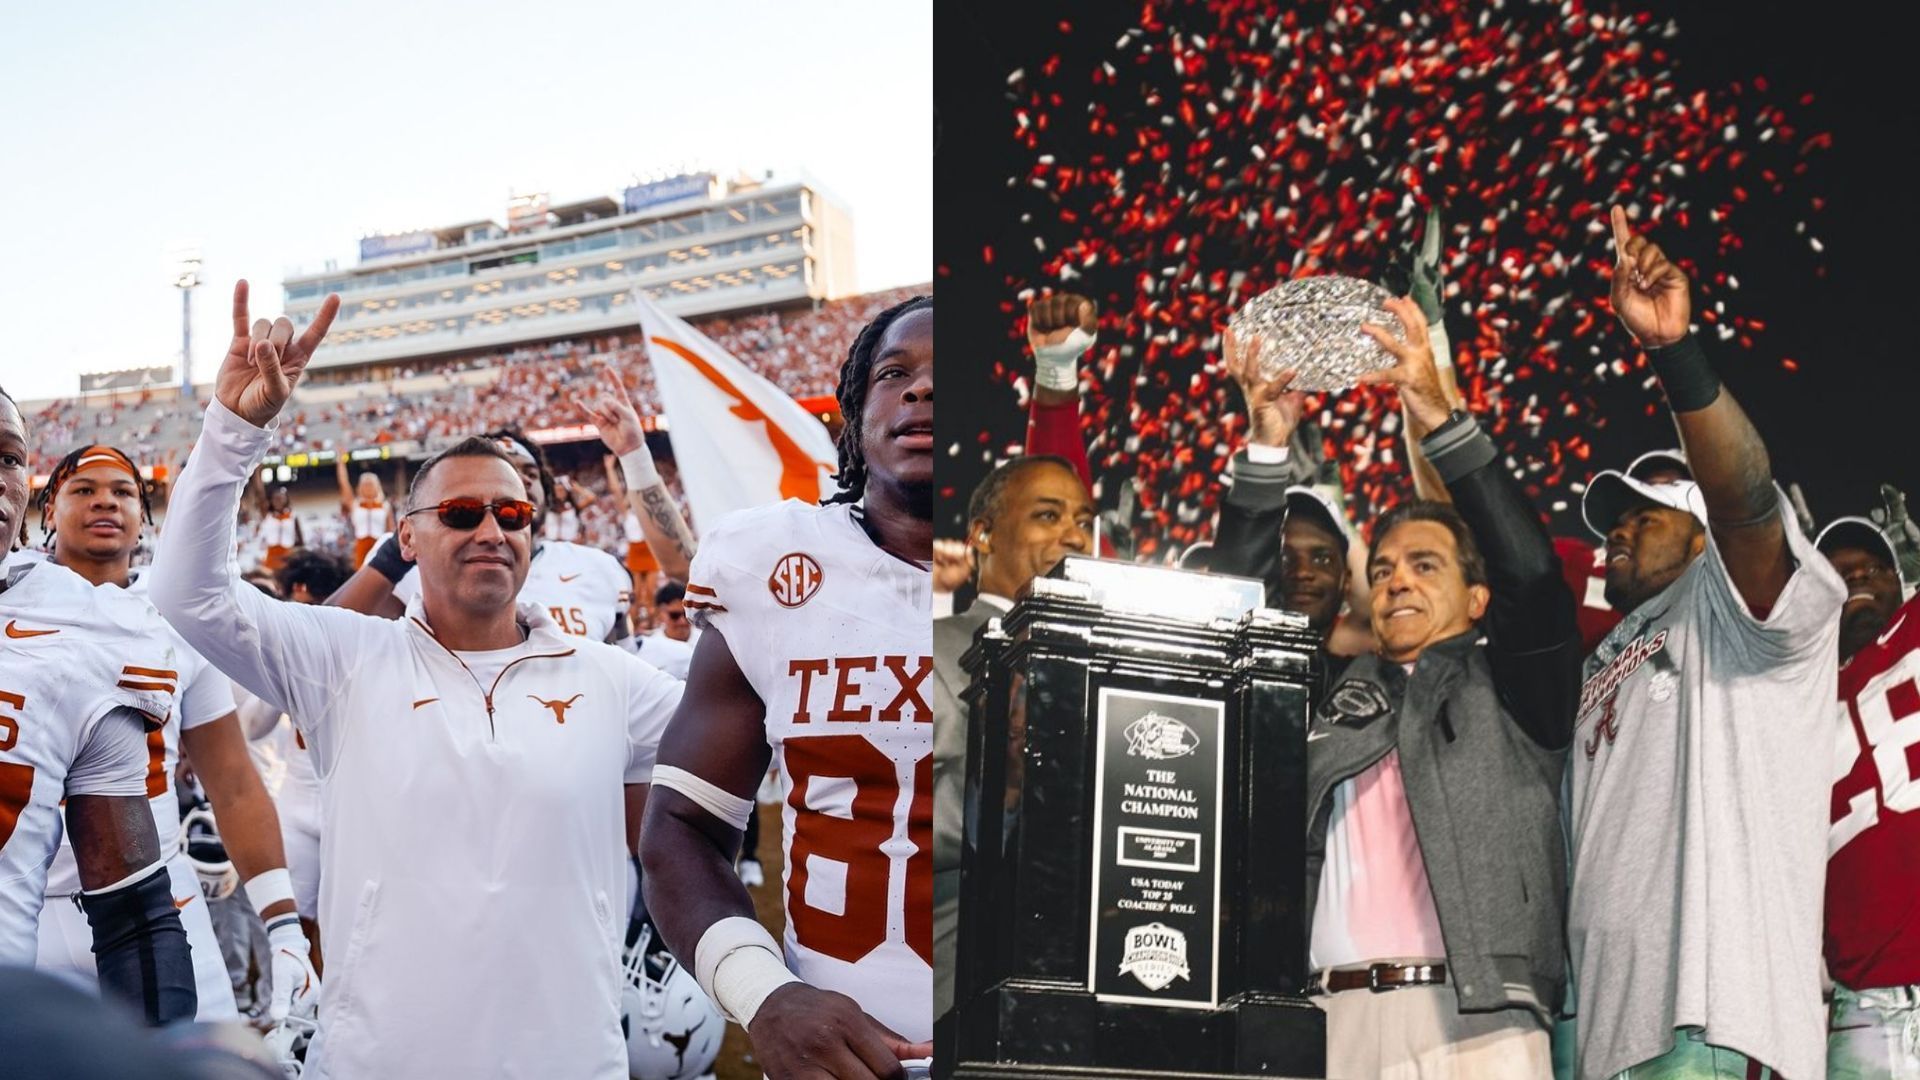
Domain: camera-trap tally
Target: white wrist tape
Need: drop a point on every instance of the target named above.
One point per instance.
(1057, 367)
(724, 805)
(1266, 455)
(637, 467)
(738, 964)
(269, 888)
(137, 875)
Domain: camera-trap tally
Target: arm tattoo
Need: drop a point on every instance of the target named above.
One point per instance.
(662, 512)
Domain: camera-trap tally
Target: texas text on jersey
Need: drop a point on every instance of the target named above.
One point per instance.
(832, 633)
(71, 655)
(1873, 848)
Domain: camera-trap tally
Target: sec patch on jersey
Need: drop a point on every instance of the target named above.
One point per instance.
(795, 579)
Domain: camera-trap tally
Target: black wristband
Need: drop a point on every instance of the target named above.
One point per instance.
(1689, 380)
(387, 560)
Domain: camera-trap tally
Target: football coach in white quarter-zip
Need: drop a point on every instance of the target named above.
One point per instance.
(472, 759)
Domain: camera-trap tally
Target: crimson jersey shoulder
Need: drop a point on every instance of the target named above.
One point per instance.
(1899, 637)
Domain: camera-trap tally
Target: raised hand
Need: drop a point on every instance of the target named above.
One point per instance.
(1273, 407)
(1414, 374)
(952, 565)
(1650, 294)
(612, 411)
(1060, 328)
(264, 360)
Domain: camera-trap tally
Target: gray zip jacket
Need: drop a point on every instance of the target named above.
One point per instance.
(1482, 726)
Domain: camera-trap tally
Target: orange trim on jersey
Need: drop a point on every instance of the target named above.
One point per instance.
(157, 673)
(129, 684)
(701, 605)
(701, 589)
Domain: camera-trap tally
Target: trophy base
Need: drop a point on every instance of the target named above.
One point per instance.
(1024, 1028)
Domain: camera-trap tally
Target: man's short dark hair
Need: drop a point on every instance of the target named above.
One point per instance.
(669, 592)
(990, 493)
(319, 571)
(1473, 565)
(471, 446)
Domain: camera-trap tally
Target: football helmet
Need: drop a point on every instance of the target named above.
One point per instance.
(200, 838)
(673, 1030)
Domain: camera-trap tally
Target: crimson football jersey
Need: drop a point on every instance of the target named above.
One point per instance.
(1873, 847)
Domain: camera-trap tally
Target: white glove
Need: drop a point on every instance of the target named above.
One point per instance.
(296, 986)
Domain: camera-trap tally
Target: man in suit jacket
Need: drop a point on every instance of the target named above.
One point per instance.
(1026, 516)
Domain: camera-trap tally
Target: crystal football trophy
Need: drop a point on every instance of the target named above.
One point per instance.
(1312, 325)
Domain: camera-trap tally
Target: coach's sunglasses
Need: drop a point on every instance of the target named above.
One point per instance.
(467, 513)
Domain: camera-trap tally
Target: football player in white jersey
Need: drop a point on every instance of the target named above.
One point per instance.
(366, 509)
(477, 766)
(818, 649)
(85, 673)
(91, 513)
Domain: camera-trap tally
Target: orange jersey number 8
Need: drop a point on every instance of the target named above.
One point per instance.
(861, 925)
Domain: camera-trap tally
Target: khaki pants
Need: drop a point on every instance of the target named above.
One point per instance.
(1419, 1034)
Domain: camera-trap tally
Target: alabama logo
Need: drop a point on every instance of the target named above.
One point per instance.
(794, 580)
(1158, 738)
(1156, 954)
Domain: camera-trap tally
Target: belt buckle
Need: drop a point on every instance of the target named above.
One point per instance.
(1373, 979)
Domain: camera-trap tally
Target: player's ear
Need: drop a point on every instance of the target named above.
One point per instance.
(406, 539)
(979, 537)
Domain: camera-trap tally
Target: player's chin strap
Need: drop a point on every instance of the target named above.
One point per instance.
(738, 964)
(727, 807)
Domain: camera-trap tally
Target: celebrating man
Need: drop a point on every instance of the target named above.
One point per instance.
(471, 757)
(817, 647)
(1697, 825)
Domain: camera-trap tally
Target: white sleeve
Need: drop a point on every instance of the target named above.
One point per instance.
(652, 697)
(206, 697)
(1805, 619)
(407, 588)
(299, 654)
(113, 758)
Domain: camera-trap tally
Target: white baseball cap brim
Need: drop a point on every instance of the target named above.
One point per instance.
(1612, 493)
(1856, 532)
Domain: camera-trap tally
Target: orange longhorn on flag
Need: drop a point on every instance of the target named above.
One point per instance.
(799, 474)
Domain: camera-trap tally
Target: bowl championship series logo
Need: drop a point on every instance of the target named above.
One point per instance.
(1155, 954)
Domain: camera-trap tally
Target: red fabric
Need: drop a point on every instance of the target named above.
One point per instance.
(1055, 429)
(1873, 880)
(1581, 564)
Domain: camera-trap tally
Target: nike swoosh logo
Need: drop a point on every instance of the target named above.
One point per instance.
(14, 631)
(1881, 640)
(564, 578)
(183, 902)
(425, 701)
(1312, 735)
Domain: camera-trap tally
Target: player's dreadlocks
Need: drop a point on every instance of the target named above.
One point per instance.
(852, 396)
(64, 471)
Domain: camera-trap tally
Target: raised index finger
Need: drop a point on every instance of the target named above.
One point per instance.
(1622, 235)
(242, 326)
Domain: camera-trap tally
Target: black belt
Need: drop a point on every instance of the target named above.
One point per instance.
(1380, 978)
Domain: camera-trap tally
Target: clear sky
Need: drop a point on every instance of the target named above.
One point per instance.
(274, 136)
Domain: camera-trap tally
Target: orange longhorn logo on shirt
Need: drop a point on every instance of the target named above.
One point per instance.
(559, 707)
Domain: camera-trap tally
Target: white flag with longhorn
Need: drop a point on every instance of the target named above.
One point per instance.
(738, 439)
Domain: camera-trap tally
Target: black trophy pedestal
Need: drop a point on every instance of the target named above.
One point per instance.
(1133, 873)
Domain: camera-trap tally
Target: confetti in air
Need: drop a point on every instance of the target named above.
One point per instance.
(1214, 150)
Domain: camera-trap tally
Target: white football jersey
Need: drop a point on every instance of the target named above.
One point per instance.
(834, 635)
(582, 588)
(205, 695)
(70, 654)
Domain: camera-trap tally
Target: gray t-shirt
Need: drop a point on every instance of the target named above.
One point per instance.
(1700, 784)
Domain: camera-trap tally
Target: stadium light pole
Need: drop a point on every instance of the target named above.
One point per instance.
(186, 276)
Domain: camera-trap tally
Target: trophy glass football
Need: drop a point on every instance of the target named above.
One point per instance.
(1312, 325)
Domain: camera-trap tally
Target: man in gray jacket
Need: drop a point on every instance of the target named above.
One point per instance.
(1436, 865)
